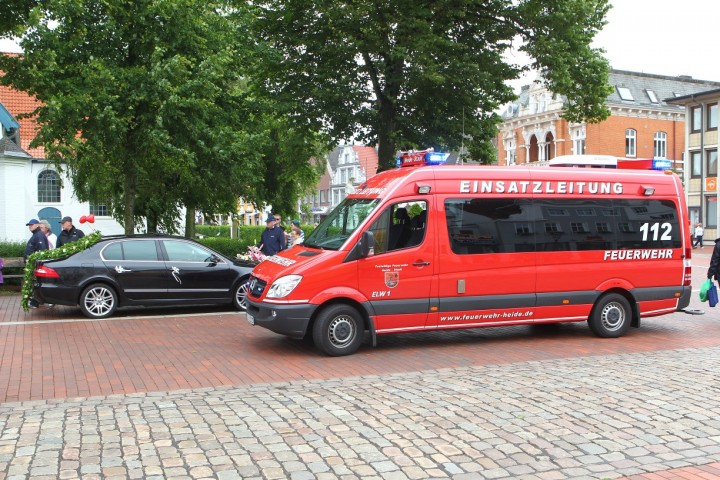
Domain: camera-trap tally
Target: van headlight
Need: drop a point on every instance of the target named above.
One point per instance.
(283, 286)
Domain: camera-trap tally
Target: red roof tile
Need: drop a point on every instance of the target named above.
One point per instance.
(17, 102)
(368, 159)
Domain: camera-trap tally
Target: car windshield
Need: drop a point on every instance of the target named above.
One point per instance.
(341, 223)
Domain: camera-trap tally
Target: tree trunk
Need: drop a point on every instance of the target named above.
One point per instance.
(129, 214)
(386, 136)
(190, 223)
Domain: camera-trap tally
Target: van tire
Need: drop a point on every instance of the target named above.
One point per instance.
(611, 316)
(338, 330)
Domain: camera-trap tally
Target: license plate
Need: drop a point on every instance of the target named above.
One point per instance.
(250, 319)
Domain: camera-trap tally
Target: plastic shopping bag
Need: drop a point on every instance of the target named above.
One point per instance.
(704, 290)
(712, 295)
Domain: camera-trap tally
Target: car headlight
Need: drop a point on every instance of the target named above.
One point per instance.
(283, 286)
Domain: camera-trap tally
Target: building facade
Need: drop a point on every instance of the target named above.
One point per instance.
(31, 186)
(346, 167)
(701, 154)
(642, 124)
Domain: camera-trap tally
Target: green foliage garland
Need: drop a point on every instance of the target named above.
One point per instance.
(61, 252)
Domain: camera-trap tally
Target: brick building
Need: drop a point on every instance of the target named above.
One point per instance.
(701, 142)
(641, 123)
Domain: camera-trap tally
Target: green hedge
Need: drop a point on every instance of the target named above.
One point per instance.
(12, 249)
(213, 230)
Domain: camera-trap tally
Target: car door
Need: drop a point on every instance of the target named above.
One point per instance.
(137, 268)
(196, 273)
(397, 278)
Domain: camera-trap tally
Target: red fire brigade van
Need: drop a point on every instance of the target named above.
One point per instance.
(423, 248)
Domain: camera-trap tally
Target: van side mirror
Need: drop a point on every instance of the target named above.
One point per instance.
(367, 244)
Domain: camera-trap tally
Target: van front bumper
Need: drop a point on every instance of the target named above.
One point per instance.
(290, 320)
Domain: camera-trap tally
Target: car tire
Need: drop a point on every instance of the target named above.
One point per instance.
(240, 294)
(99, 300)
(338, 330)
(611, 316)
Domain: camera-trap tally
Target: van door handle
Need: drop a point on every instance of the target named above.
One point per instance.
(421, 264)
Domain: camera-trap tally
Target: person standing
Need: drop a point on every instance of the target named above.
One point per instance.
(273, 238)
(69, 233)
(286, 235)
(698, 235)
(714, 269)
(38, 242)
(52, 238)
(299, 232)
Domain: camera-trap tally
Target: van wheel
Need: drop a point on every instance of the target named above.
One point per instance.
(338, 330)
(611, 316)
(98, 301)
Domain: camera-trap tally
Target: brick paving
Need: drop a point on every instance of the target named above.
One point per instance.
(204, 395)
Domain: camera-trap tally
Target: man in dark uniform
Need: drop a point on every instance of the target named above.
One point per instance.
(38, 241)
(69, 232)
(272, 239)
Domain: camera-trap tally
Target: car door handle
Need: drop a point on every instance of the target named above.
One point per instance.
(421, 264)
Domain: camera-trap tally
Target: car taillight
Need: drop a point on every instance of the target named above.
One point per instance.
(688, 267)
(46, 272)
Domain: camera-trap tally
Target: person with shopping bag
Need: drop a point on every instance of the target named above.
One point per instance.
(713, 272)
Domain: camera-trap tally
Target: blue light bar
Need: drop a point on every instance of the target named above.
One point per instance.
(661, 164)
(436, 158)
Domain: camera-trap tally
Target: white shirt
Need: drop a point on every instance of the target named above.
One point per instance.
(698, 231)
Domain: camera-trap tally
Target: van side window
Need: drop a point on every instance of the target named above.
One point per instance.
(506, 225)
(401, 225)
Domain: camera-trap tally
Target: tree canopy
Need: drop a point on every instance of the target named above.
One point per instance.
(407, 74)
(150, 106)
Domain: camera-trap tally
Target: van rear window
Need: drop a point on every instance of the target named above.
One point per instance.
(507, 225)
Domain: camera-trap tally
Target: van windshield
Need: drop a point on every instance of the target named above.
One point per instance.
(341, 223)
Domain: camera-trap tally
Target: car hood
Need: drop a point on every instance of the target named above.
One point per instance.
(296, 260)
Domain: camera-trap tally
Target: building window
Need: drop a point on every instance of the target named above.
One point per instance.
(48, 186)
(651, 95)
(712, 166)
(695, 165)
(630, 136)
(510, 152)
(711, 212)
(99, 210)
(625, 94)
(695, 119)
(579, 141)
(712, 116)
(660, 150)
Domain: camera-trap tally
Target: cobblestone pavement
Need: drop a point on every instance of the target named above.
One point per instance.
(207, 396)
(591, 417)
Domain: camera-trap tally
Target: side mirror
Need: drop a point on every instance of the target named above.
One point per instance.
(367, 244)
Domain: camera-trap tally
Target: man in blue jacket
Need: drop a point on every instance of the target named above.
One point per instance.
(272, 239)
(38, 241)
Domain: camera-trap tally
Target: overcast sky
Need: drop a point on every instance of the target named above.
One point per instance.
(664, 37)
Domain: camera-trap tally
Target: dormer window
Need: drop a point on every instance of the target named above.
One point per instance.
(625, 94)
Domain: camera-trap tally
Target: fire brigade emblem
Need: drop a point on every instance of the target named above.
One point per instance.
(392, 279)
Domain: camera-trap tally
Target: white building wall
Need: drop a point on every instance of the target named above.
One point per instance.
(19, 201)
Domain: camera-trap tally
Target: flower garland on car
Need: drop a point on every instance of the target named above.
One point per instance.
(253, 255)
(60, 252)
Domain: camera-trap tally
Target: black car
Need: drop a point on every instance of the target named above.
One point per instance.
(142, 270)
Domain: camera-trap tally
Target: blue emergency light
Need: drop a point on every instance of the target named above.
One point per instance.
(661, 164)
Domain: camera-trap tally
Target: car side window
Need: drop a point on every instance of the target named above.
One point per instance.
(138, 250)
(185, 252)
